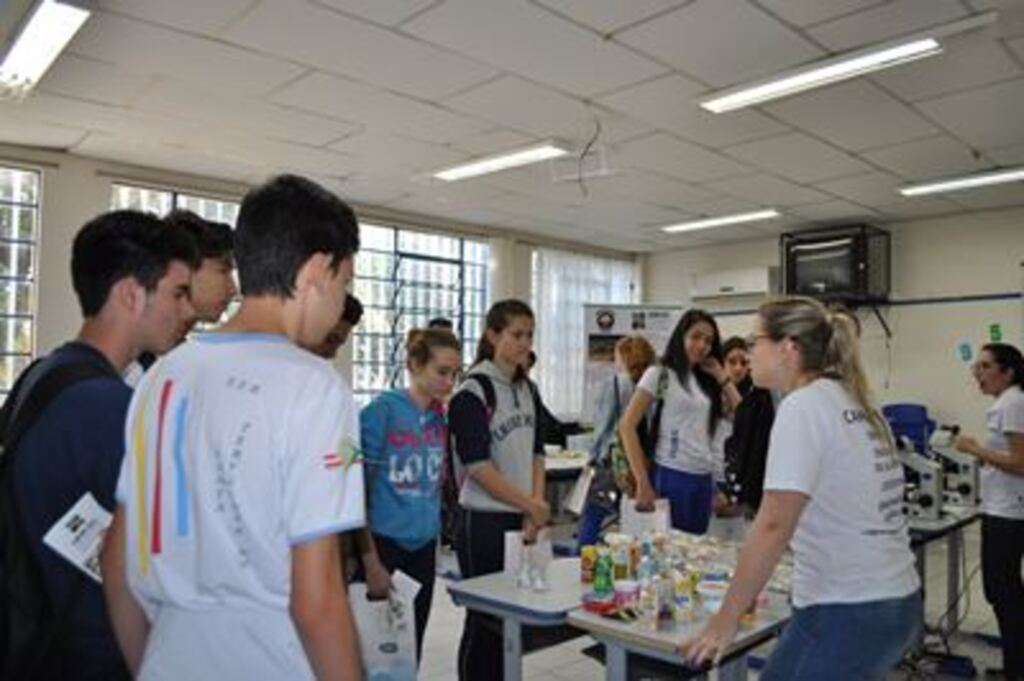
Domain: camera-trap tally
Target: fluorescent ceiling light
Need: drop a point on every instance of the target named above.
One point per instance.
(824, 73)
(513, 159)
(46, 33)
(736, 219)
(843, 67)
(953, 184)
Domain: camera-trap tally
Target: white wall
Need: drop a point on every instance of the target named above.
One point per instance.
(970, 254)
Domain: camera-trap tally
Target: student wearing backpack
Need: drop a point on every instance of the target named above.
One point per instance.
(131, 275)
(403, 435)
(493, 418)
(243, 466)
(692, 391)
(633, 356)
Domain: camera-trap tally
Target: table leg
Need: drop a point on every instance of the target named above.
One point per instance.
(734, 670)
(614, 662)
(954, 545)
(513, 635)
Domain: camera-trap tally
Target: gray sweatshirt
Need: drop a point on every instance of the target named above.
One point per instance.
(508, 438)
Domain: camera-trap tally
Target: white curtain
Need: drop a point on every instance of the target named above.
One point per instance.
(562, 283)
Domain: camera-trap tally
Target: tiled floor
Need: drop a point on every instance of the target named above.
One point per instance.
(567, 663)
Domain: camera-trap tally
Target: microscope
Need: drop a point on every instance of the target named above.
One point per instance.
(960, 471)
(922, 493)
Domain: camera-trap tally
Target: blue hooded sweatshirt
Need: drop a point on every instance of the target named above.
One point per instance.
(403, 445)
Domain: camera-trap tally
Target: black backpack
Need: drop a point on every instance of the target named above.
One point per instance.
(32, 638)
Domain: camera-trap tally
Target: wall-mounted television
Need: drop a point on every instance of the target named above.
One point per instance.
(848, 264)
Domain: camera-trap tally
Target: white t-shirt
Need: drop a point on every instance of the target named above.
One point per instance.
(851, 543)
(683, 441)
(1002, 493)
(239, 447)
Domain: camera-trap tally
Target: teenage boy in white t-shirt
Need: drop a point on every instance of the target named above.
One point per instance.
(242, 467)
(833, 493)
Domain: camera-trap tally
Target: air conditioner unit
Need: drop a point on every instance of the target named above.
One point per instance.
(753, 281)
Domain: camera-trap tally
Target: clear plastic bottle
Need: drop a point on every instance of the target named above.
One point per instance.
(647, 603)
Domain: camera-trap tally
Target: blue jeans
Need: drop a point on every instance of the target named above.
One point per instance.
(845, 641)
(591, 520)
(689, 496)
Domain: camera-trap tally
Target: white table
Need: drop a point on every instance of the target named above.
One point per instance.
(498, 595)
(621, 638)
(951, 527)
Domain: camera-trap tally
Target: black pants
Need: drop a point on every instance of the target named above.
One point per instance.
(1002, 550)
(421, 565)
(480, 546)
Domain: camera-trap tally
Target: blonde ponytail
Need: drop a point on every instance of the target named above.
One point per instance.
(829, 345)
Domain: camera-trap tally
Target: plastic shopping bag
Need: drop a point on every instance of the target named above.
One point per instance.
(636, 523)
(387, 634)
(529, 563)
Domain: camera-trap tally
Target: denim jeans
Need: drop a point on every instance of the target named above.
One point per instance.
(845, 641)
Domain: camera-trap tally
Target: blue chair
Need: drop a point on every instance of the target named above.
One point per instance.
(911, 421)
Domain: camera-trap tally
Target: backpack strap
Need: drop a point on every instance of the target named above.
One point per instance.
(487, 386)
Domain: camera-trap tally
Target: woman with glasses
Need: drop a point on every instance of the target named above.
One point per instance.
(999, 372)
(833, 491)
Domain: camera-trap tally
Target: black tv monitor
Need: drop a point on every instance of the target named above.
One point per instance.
(848, 264)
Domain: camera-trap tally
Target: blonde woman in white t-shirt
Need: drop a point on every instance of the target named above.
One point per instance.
(1000, 373)
(833, 492)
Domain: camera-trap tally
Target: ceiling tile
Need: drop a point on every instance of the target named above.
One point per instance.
(608, 16)
(384, 12)
(31, 133)
(930, 157)
(381, 152)
(493, 141)
(1017, 46)
(968, 63)
(986, 118)
(669, 103)
(332, 96)
(1007, 155)
(374, 189)
(89, 79)
(725, 205)
(836, 211)
(889, 20)
(656, 189)
(261, 117)
(767, 190)
(535, 182)
(277, 156)
(540, 111)
(356, 49)
(529, 41)
(153, 154)
(807, 12)
(920, 207)
(199, 16)
(870, 189)
(692, 39)
(74, 113)
(855, 115)
(147, 49)
(798, 157)
(1003, 196)
(677, 158)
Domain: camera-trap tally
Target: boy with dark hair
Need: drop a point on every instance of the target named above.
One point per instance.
(338, 335)
(213, 284)
(131, 273)
(222, 561)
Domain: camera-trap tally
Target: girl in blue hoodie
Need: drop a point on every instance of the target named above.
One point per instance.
(403, 435)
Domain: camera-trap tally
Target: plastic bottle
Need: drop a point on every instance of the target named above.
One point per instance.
(647, 603)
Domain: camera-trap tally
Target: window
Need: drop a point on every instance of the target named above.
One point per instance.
(161, 201)
(562, 283)
(19, 230)
(404, 279)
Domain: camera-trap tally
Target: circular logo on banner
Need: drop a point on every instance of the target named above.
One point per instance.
(605, 319)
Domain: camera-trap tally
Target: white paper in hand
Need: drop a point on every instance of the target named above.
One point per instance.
(78, 535)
